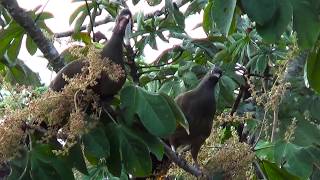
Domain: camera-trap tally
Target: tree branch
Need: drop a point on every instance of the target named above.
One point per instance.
(83, 27)
(182, 163)
(25, 21)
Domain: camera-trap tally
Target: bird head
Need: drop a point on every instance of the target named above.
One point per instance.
(214, 74)
(124, 24)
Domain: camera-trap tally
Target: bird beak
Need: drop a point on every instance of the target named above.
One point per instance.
(128, 31)
(216, 74)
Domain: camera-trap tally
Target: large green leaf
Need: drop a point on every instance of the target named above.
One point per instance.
(8, 35)
(96, 143)
(312, 68)
(306, 21)
(222, 14)
(14, 48)
(297, 160)
(75, 157)
(207, 23)
(274, 28)
(20, 166)
(129, 150)
(45, 165)
(135, 154)
(272, 171)
(227, 87)
(180, 118)
(22, 74)
(151, 141)
(260, 11)
(153, 110)
(76, 13)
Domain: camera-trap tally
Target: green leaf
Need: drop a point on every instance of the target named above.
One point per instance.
(12, 31)
(75, 157)
(172, 88)
(14, 48)
(20, 166)
(22, 74)
(190, 79)
(45, 165)
(153, 110)
(82, 36)
(44, 16)
(261, 11)
(31, 45)
(312, 69)
(207, 18)
(222, 14)
(152, 41)
(297, 160)
(151, 141)
(180, 118)
(135, 154)
(80, 21)
(306, 21)
(227, 87)
(114, 160)
(261, 64)
(153, 2)
(76, 13)
(272, 171)
(175, 13)
(265, 150)
(272, 30)
(195, 6)
(96, 143)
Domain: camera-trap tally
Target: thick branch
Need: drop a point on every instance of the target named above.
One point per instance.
(24, 20)
(182, 163)
(83, 27)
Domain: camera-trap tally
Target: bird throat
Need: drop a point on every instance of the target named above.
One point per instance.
(113, 49)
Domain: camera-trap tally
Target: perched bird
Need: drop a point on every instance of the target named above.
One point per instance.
(199, 107)
(113, 51)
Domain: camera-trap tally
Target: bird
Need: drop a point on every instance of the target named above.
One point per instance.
(199, 108)
(113, 50)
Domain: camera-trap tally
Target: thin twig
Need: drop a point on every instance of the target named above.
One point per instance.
(83, 27)
(90, 26)
(259, 170)
(275, 124)
(260, 132)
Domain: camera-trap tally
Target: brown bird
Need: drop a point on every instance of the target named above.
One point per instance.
(199, 107)
(113, 51)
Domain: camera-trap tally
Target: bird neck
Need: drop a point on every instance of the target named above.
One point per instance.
(113, 48)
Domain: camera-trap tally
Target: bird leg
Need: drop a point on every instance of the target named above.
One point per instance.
(195, 148)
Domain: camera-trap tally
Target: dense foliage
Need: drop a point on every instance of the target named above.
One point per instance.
(268, 50)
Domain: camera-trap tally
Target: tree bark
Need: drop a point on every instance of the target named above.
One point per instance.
(26, 22)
